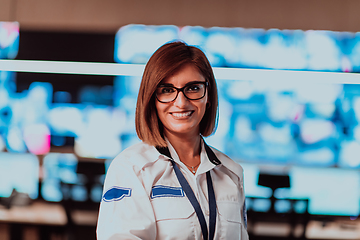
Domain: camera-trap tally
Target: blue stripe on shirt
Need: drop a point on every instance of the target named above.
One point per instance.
(166, 191)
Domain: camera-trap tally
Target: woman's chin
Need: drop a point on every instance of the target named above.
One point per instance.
(182, 131)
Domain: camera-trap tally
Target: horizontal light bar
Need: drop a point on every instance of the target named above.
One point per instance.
(116, 69)
(87, 68)
(286, 76)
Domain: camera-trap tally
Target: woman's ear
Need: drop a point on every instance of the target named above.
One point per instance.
(208, 104)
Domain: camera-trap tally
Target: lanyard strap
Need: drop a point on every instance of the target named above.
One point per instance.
(194, 202)
(191, 196)
(212, 205)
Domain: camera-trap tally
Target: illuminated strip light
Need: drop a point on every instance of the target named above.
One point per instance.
(85, 68)
(116, 69)
(286, 76)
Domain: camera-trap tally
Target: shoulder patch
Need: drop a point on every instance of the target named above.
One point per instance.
(166, 191)
(116, 194)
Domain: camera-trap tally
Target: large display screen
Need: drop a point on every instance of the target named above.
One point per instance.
(247, 48)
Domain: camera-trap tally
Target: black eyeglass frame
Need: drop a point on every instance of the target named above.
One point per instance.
(182, 90)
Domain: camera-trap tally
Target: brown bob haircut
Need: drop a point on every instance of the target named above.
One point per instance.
(163, 63)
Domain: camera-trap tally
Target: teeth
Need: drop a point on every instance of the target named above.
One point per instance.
(181, 115)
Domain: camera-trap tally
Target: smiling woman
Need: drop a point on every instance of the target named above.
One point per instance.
(166, 63)
(173, 181)
(181, 116)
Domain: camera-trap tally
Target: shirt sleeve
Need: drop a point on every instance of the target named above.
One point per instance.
(244, 233)
(125, 209)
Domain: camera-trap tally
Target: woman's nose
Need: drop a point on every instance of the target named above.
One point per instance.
(181, 100)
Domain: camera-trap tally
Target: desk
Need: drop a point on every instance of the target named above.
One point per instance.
(341, 228)
(338, 229)
(38, 212)
(29, 222)
(43, 220)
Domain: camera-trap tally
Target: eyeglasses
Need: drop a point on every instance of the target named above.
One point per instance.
(192, 91)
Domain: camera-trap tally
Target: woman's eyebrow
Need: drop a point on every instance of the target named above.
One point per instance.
(166, 85)
(196, 81)
(172, 85)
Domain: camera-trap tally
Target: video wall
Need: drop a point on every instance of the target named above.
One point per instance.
(308, 127)
(247, 48)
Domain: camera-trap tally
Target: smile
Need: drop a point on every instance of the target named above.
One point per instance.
(182, 114)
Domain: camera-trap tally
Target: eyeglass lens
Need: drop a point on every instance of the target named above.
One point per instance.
(193, 91)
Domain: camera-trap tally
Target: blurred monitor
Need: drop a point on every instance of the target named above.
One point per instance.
(19, 172)
(246, 48)
(330, 191)
(67, 178)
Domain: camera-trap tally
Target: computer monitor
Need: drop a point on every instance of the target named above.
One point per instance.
(20, 172)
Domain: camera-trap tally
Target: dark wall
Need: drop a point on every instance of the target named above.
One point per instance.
(66, 46)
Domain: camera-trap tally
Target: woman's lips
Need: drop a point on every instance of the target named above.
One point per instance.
(182, 114)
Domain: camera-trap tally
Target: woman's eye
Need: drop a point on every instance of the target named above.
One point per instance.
(193, 88)
(166, 90)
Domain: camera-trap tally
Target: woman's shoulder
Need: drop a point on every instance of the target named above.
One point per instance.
(138, 155)
(227, 162)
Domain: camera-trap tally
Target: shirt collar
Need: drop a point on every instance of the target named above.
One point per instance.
(208, 159)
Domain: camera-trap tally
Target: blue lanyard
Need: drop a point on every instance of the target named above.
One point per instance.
(191, 196)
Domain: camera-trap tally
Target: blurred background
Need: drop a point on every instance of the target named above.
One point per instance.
(289, 96)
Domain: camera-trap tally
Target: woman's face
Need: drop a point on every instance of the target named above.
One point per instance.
(182, 116)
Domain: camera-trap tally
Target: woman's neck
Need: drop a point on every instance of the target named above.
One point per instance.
(187, 148)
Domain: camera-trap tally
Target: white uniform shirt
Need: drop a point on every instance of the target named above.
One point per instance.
(143, 198)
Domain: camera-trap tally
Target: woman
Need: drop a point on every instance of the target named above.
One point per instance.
(172, 185)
